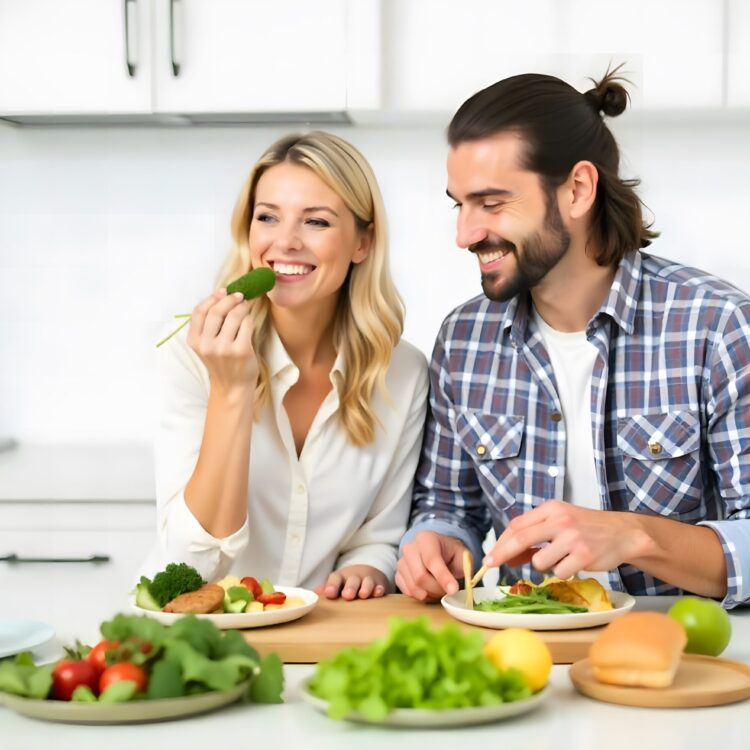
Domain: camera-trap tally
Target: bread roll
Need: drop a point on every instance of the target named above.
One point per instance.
(640, 649)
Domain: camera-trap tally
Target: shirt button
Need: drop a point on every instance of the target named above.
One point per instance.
(553, 471)
(555, 416)
(300, 489)
(481, 450)
(654, 448)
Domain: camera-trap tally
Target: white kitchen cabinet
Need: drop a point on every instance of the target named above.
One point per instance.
(96, 548)
(250, 55)
(75, 57)
(439, 52)
(218, 60)
(738, 54)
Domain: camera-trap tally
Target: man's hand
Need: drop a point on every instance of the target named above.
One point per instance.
(574, 539)
(430, 565)
(354, 581)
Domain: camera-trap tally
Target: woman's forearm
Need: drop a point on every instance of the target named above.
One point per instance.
(687, 556)
(216, 493)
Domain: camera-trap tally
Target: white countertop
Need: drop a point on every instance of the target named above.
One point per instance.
(567, 719)
(81, 472)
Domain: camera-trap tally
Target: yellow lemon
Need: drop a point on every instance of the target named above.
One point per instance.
(524, 650)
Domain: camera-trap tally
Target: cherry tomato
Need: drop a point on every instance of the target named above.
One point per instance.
(252, 585)
(97, 655)
(274, 598)
(123, 671)
(69, 674)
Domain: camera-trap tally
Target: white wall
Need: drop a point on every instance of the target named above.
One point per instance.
(106, 232)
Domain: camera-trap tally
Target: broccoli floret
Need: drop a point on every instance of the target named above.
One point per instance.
(176, 579)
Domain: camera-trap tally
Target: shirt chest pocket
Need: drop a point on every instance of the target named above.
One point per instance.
(661, 462)
(493, 441)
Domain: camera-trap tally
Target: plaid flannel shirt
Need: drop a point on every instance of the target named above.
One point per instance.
(670, 416)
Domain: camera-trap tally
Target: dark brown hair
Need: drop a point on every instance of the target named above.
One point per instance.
(560, 127)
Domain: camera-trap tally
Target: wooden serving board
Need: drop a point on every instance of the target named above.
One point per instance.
(335, 624)
(700, 681)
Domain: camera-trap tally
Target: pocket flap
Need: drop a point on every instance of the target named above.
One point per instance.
(490, 436)
(654, 437)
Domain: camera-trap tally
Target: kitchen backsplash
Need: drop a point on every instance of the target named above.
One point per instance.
(105, 233)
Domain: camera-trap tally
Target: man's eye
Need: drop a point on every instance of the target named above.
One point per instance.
(491, 206)
(456, 205)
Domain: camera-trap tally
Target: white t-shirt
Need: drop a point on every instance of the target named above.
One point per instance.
(335, 505)
(572, 357)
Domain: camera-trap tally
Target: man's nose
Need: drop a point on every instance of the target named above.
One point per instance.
(468, 230)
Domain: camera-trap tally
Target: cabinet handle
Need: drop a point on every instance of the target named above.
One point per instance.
(130, 7)
(14, 559)
(175, 24)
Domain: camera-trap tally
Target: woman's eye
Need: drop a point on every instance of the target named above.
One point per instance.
(318, 222)
(264, 217)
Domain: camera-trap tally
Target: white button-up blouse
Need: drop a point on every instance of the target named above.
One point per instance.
(336, 504)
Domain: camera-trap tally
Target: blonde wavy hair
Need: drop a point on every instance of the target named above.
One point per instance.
(370, 314)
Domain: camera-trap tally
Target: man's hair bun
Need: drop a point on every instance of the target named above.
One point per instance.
(609, 96)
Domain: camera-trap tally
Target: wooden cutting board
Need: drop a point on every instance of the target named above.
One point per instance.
(334, 624)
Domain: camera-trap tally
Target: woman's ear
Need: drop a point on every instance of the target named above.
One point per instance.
(581, 184)
(366, 238)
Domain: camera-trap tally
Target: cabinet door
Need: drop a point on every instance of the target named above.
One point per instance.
(74, 57)
(440, 51)
(240, 56)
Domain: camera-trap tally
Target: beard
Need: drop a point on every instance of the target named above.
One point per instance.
(540, 253)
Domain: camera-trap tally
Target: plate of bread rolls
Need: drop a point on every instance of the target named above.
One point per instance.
(638, 660)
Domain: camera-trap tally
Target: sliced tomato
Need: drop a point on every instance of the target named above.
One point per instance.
(252, 585)
(275, 598)
(123, 671)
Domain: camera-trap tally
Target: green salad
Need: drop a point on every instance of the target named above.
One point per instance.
(414, 667)
(539, 601)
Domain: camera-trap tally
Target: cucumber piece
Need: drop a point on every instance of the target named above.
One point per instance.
(267, 586)
(144, 598)
(238, 606)
(239, 593)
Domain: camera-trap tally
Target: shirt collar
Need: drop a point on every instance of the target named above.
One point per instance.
(279, 361)
(620, 304)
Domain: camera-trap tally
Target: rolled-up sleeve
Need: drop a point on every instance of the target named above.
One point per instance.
(183, 401)
(447, 496)
(728, 389)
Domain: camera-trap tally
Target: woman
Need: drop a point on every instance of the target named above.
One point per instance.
(292, 424)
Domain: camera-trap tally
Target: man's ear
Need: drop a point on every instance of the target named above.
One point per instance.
(366, 238)
(580, 189)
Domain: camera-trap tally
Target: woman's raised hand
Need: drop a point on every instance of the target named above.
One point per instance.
(221, 333)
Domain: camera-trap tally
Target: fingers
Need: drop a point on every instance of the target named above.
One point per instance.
(211, 316)
(332, 586)
(424, 571)
(518, 539)
(351, 587)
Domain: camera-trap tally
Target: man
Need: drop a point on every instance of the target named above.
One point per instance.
(594, 404)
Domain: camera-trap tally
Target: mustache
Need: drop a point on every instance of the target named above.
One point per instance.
(489, 245)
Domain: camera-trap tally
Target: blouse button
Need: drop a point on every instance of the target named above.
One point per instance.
(481, 450)
(654, 448)
(300, 489)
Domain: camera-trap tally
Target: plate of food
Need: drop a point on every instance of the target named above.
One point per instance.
(551, 605)
(230, 603)
(435, 718)
(418, 676)
(142, 671)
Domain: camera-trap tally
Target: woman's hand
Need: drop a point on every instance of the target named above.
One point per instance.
(221, 334)
(354, 581)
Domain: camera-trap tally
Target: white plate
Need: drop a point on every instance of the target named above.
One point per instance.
(449, 717)
(128, 712)
(22, 635)
(455, 604)
(240, 620)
